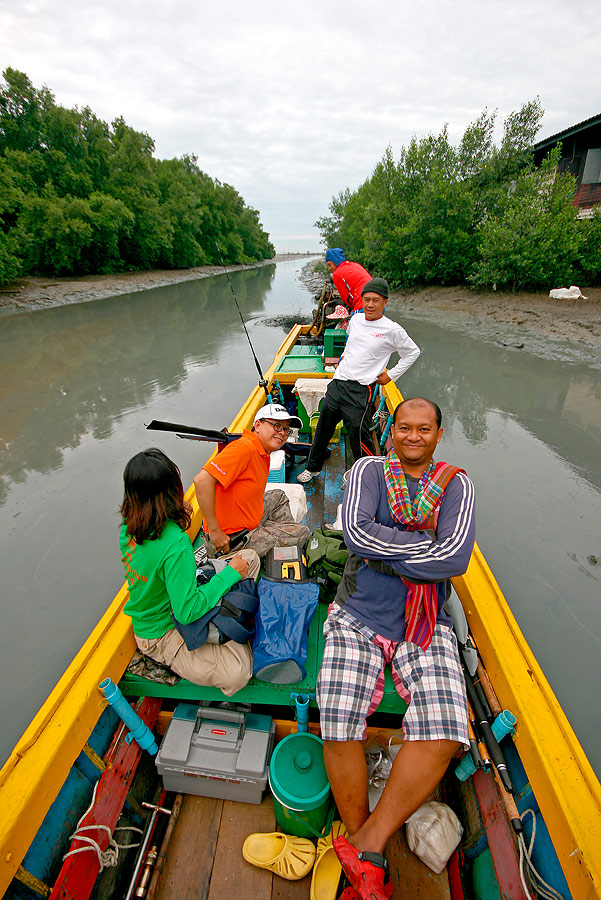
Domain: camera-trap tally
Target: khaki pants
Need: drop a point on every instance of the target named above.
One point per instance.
(224, 666)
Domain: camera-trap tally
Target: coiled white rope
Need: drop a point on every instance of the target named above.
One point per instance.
(108, 857)
(540, 886)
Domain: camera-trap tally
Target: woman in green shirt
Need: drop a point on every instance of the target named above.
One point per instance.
(160, 570)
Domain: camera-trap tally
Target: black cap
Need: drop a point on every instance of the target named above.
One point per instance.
(377, 286)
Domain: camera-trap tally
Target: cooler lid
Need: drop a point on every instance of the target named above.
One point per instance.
(297, 773)
(277, 459)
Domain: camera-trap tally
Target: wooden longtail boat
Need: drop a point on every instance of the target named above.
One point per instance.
(76, 742)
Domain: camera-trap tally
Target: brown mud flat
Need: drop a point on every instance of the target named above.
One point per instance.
(531, 321)
(33, 293)
(519, 317)
(569, 330)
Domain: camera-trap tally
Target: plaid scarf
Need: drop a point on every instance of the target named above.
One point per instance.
(422, 599)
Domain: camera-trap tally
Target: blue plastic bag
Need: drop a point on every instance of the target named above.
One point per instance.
(281, 641)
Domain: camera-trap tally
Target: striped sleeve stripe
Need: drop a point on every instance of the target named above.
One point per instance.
(351, 508)
(442, 550)
(420, 553)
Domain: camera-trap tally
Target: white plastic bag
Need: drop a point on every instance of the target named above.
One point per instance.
(571, 293)
(310, 391)
(433, 832)
(296, 497)
(337, 523)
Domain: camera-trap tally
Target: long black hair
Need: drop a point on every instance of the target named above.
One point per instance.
(153, 494)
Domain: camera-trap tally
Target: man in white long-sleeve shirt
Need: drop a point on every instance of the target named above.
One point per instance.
(372, 338)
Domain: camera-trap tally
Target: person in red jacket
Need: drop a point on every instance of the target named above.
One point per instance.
(348, 277)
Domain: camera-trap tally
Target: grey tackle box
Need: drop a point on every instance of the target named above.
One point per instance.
(216, 753)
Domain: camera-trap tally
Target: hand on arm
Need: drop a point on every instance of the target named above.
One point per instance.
(238, 563)
(450, 553)
(363, 534)
(383, 378)
(204, 485)
(188, 600)
(412, 554)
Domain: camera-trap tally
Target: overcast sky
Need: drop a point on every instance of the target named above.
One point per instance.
(291, 103)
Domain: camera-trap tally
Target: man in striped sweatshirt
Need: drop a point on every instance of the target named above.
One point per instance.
(409, 524)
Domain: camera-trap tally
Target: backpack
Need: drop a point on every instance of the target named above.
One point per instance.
(326, 555)
(233, 618)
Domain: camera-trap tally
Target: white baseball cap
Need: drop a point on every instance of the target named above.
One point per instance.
(277, 412)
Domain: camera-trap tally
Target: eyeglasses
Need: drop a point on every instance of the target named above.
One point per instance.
(279, 429)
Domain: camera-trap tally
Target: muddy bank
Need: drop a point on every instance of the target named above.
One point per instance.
(564, 329)
(27, 294)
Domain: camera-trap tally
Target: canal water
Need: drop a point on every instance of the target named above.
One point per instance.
(78, 383)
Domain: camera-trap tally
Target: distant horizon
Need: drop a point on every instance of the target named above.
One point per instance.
(296, 245)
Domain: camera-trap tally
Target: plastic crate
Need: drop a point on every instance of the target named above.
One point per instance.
(334, 342)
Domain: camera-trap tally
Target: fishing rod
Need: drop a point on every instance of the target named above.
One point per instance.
(489, 740)
(350, 297)
(262, 381)
(210, 435)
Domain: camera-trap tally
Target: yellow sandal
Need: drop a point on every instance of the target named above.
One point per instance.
(289, 857)
(326, 874)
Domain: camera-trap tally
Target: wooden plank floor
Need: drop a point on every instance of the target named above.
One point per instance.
(204, 859)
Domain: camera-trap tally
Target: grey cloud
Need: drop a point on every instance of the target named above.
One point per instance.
(293, 105)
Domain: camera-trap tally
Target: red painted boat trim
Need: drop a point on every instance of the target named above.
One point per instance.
(455, 883)
(500, 836)
(78, 873)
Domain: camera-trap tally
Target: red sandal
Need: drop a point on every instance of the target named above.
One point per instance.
(349, 893)
(367, 872)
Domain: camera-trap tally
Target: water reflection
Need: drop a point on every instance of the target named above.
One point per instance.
(77, 369)
(528, 432)
(558, 403)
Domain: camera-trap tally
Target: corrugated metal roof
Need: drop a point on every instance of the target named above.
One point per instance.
(568, 132)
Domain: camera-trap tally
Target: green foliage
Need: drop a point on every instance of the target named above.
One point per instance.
(441, 241)
(588, 264)
(533, 241)
(78, 196)
(10, 265)
(476, 213)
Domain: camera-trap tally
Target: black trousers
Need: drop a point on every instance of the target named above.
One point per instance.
(353, 403)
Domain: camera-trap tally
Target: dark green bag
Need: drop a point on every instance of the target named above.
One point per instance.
(326, 556)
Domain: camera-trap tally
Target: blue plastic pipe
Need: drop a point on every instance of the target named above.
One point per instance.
(302, 712)
(385, 433)
(502, 726)
(138, 731)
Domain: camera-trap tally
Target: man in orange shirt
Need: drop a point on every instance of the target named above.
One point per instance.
(230, 489)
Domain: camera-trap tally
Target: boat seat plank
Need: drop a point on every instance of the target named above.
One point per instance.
(232, 875)
(189, 864)
(254, 692)
(410, 876)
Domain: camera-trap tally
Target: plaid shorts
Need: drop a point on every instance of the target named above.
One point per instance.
(352, 673)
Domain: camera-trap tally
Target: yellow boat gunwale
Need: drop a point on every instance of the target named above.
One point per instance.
(566, 788)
